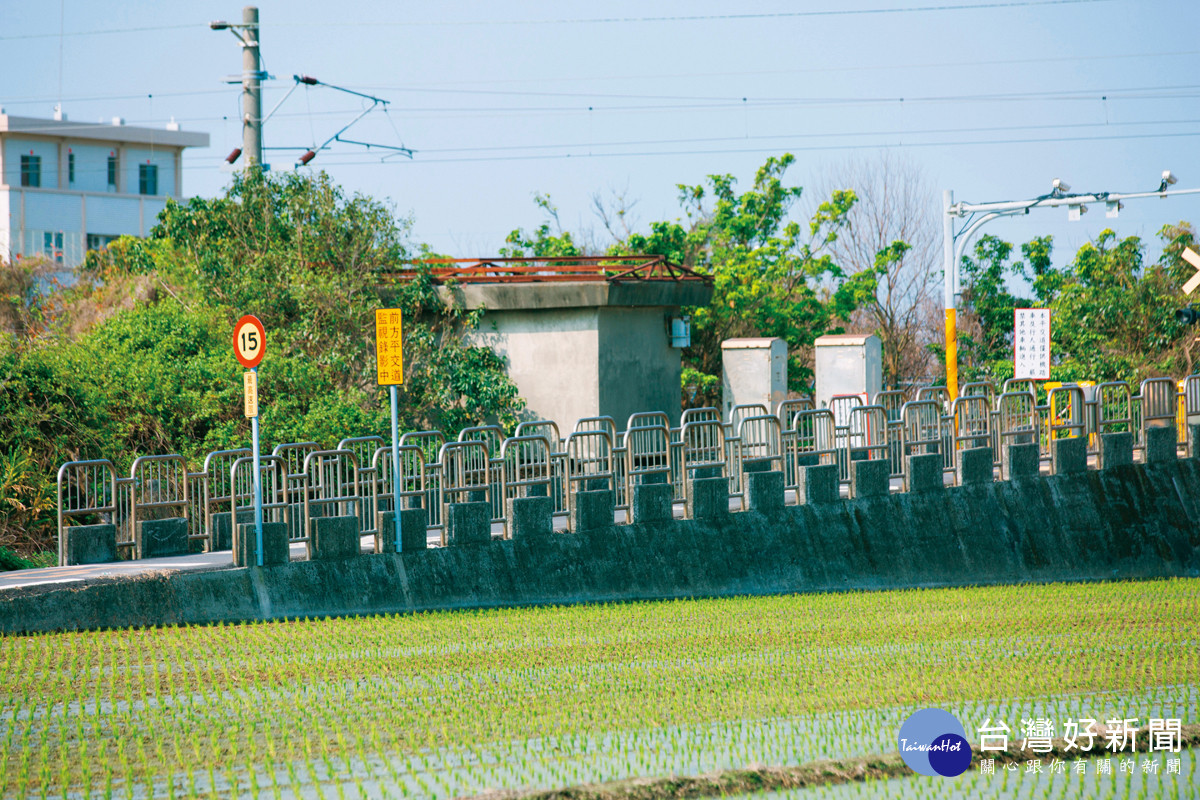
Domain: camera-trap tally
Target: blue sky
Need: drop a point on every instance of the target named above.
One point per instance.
(502, 100)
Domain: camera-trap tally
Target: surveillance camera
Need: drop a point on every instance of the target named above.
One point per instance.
(1060, 185)
(1168, 178)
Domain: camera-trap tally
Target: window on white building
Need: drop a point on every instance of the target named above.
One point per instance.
(71, 168)
(147, 179)
(52, 246)
(31, 171)
(99, 241)
(112, 173)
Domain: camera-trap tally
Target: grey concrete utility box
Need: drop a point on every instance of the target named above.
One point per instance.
(848, 364)
(579, 350)
(753, 371)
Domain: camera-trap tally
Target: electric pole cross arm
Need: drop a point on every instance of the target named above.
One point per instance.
(247, 33)
(376, 102)
(976, 215)
(252, 77)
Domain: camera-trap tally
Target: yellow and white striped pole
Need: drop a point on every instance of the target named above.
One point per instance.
(951, 281)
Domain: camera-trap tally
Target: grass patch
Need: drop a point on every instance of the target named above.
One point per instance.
(10, 560)
(453, 704)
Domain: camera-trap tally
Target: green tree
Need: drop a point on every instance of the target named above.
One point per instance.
(895, 204)
(308, 261)
(290, 249)
(985, 338)
(772, 275)
(140, 362)
(1112, 314)
(27, 299)
(549, 240)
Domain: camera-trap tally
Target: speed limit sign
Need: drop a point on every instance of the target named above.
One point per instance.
(249, 341)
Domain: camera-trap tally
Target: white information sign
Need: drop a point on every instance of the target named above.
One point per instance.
(1031, 343)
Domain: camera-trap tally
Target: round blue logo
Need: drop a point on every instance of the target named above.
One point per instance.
(932, 742)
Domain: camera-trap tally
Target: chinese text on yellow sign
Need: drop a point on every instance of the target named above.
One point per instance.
(250, 385)
(389, 347)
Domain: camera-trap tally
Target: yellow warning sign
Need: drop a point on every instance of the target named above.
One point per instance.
(389, 347)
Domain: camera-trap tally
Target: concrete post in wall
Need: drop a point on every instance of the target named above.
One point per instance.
(753, 371)
(119, 187)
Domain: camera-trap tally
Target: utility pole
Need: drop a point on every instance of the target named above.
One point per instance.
(954, 245)
(251, 89)
(253, 75)
(251, 80)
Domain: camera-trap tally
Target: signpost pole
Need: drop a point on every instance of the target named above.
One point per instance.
(249, 345)
(258, 519)
(396, 464)
(389, 370)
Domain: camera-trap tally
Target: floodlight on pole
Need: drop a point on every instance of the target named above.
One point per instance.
(976, 215)
(1188, 315)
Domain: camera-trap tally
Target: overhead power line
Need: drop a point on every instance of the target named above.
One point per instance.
(1135, 92)
(836, 12)
(655, 102)
(25, 101)
(857, 67)
(839, 12)
(835, 134)
(879, 145)
(105, 31)
(436, 86)
(685, 140)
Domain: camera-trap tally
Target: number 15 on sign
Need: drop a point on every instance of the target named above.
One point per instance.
(249, 346)
(249, 341)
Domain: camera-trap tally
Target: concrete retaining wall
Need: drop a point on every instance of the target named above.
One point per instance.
(1132, 521)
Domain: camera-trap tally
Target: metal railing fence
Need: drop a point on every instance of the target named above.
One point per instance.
(303, 482)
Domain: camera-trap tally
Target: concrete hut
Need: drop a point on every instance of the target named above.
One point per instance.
(583, 336)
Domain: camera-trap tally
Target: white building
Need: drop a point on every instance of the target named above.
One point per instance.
(67, 187)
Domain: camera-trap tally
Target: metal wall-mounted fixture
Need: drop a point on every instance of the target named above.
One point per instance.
(680, 331)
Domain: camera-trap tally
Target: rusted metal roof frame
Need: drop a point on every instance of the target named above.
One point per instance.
(614, 269)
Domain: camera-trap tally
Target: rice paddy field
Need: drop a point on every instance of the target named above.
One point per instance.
(456, 704)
